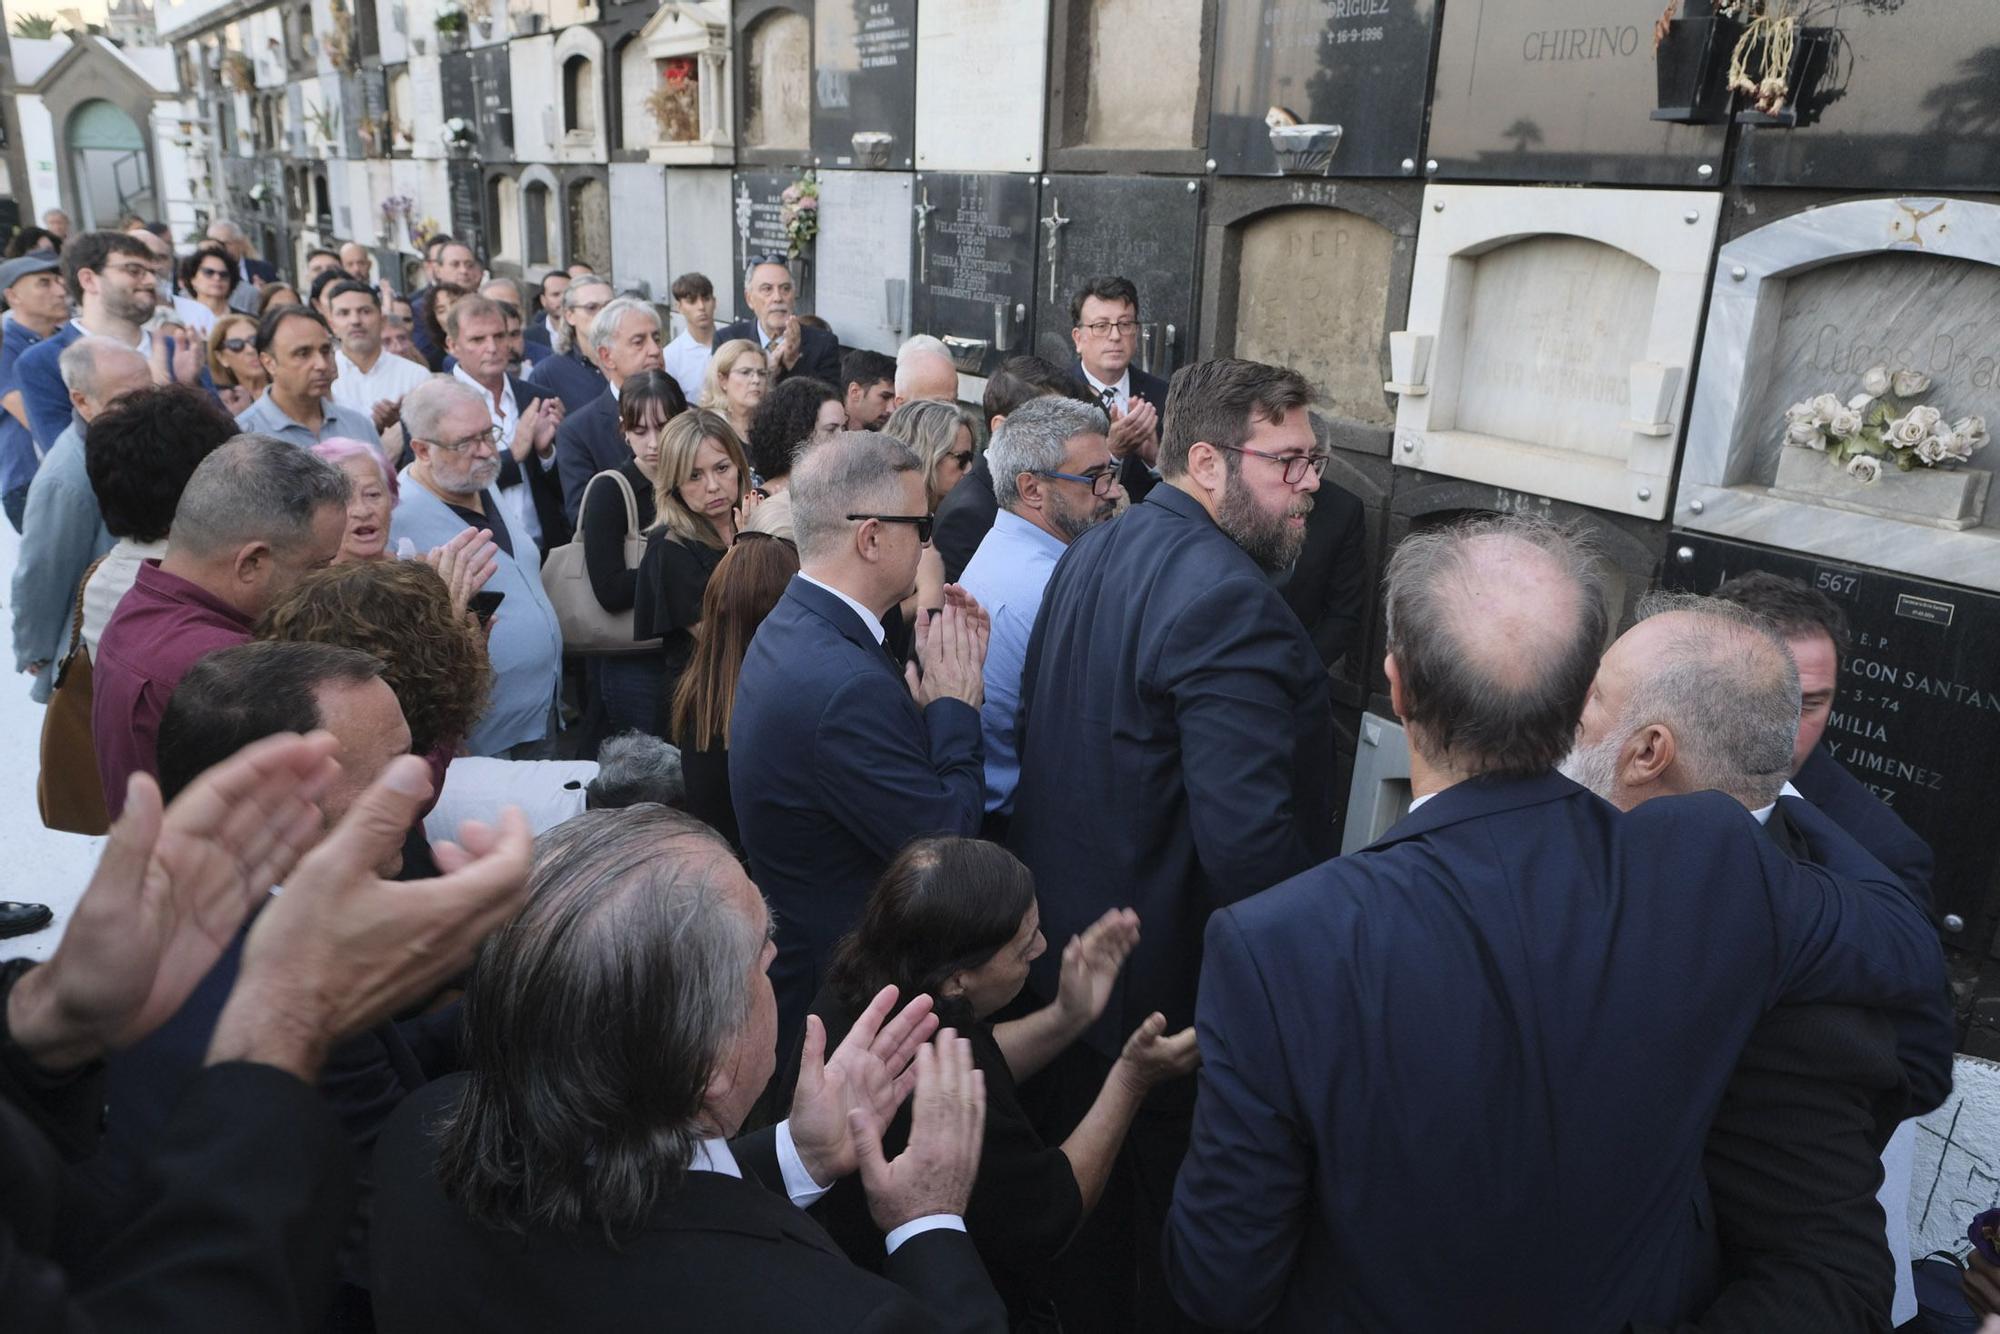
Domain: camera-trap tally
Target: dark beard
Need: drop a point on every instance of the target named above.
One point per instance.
(1268, 539)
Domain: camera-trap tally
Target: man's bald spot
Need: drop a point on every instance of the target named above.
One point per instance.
(1510, 607)
(926, 375)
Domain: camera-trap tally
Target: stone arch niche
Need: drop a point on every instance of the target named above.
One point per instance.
(503, 219)
(776, 88)
(688, 76)
(579, 96)
(587, 220)
(1549, 338)
(541, 217)
(1129, 84)
(1806, 305)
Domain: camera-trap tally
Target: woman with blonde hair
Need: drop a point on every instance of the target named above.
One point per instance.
(941, 434)
(737, 376)
(698, 491)
(233, 362)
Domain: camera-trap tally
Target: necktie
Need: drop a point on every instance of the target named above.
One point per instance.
(1108, 398)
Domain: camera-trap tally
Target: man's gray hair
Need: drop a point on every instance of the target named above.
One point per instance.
(1494, 683)
(255, 488)
(82, 363)
(635, 768)
(572, 297)
(507, 283)
(425, 407)
(1034, 438)
(230, 230)
(1725, 685)
(750, 270)
(604, 329)
(854, 472)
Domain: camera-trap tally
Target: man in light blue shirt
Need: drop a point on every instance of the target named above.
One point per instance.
(296, 347)
(1054, 477)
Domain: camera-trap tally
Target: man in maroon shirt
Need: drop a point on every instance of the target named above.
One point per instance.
(256, 515)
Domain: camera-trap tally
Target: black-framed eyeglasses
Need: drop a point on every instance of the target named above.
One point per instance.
(235, 345)
(490, 436)
(1105, 328)
(1100, 483)
(924, 522)
(1295, 464)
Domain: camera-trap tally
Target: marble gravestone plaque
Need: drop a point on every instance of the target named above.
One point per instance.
(980, 104)
(1363, 65)
(372, 127)
(774, 65)
(861, 279)
(700, 234)
(1128, 84)
(467, 204)
(427, 106)
(975, 265)
(459, 98)
(493, 91)
(1550, 90)
(864, 82)
(1916, 716)
(757, 213)
(1903, 98)
(351, 111)
(587, 213)
(1139, 227)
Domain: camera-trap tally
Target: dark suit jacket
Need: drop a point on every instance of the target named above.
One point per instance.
(965, 517)
(544, 484)
(257, 270)
(1328, 586)
(578, 383)
(252, 1189)
(1133, 474)
(1512, 1017)
(1826, 783)
(719, 1253)
(832, 769)
(588, 443)
(1176, 739)
(819, 351)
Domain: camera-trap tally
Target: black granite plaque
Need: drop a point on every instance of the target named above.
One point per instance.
(1363, 65)
(1369, 479)
(864, 82)
(757, 213)
(1887, 97)
(493, 91)
(468, 204)
(1554, 90)
(373, 128)
(1145, 228)
(976, 242)
(1917, 714)
(458, 99)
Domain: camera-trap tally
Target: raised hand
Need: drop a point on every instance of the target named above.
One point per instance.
(872, 1069)
(1133, 428)
(935, 1171)
(1090, 966)
(465, 564)
(1151, 1057)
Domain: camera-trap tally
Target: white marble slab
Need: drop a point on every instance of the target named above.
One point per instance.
(1539, 301)
(427, 113)
(701, 232)
(531, 81)
(1824, 267)
(982, 74)
(864, 244)
(586, 142)
(639, 227)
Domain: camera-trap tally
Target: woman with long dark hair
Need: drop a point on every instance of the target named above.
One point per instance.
(955, 919)
(740, 594)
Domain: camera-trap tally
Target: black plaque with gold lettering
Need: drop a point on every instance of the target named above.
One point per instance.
(975, 264)
(1363, 65)
(864, 83)
(1917, 713)
(1145, 228)
(1553, 90)
(759, 217)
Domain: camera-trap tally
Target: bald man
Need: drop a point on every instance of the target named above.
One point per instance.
(924, 369)
(356, 262)
(1515, 1013)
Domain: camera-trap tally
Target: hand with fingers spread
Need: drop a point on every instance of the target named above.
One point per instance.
(340, 948)
(465, 564)
(934, 1173)
(1090, 966)
(170, 891)
(871, 1069)
(1152, 1058)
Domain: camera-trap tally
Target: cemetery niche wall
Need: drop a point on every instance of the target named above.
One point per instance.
(1146, 228)
(864, 108)
(975, 264)
(1129, 84)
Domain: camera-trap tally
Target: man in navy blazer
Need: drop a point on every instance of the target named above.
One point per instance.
(1509, 1021)
(791, 348)
(1104, 320)
(837, 756)
(625, 340)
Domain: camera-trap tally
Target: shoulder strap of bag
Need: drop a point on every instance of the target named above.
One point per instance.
(75, 624)
(631, 501)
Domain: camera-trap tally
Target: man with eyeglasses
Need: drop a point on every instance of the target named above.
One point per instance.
(1104, 315)
(368, 377)
(448, 487)
(573, 373)
(1176, 739)
(1055, 479)
(791, 348)
(296, 349)
(526, 416)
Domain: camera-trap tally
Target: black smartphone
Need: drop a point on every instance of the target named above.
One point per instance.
(485, 604)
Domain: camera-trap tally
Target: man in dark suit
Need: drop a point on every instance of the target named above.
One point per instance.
(1176, 739)
(966, 515)
(1517, 1010)
(583, 1175)
(252, 1186)
(837, 758)
(573, 372)
(1104, 319)
(625, 339)
(1701, 695)
(526, 415)
(792, 348)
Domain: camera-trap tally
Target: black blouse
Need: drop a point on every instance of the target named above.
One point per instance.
(708, 799)
(603, 525)
(666, 602)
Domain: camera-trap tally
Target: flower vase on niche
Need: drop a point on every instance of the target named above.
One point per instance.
(1878, 453)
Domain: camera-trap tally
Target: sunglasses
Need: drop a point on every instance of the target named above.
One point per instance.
(235, 345)
(924, 522)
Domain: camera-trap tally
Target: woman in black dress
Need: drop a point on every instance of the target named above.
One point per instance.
(955, 919)
(629, 683)
(741, 593)
(698, 487)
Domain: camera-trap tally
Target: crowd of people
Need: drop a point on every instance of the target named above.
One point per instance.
(609, 825)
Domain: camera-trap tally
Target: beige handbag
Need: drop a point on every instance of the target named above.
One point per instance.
(586, 626)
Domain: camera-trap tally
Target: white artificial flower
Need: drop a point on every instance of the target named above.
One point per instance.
(1844, 423)
(1935, 449)
(1824, 406)
(1864, 468)
(1907, 432)
(1876, 380)
(1971, 433)
(1929, 417)
(1805, 435)
(1801, 412)
(1861, 402)
(1907, 383)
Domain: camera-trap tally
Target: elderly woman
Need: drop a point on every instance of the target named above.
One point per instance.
(233, 362)
(465, 563)
(955, 919)
(737, 377)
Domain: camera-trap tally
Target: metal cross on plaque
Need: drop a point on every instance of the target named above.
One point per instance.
(746, 211)
(1053, 225)
(923, 209)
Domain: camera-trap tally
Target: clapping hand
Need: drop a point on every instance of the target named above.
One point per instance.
(385, 413)
(951, 649)
(1133, 429)
(935, 1171)
(1151, 1057)
(871, 1070)
(465, 564)
(1090, 966)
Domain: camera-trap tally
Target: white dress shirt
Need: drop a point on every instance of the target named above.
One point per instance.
(687, 361)
(1122, 390)
(389, 379)
(517, 502)
(714, 1155)
(868, 618)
